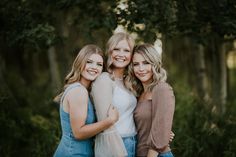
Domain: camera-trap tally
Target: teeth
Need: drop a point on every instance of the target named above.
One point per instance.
(92, 72)
(142, 75)
(120, 60)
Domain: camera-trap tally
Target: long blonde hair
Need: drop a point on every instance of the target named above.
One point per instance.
(78, 65)
(151, 55)
(111, 44)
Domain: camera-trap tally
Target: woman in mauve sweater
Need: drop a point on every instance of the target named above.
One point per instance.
(155, 109)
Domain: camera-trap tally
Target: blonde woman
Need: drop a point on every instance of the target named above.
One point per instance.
(76, 110)
(109, 89)
(156, 102)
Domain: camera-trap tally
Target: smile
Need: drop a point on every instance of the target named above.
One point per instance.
(92, 72)
(119, 59)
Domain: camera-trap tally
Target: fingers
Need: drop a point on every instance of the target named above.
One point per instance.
(172, 135)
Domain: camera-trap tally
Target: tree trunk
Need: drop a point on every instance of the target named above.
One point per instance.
(219, 76)
(54, 70)
(201, 75)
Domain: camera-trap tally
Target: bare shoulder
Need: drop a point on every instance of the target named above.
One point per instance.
(77, 92)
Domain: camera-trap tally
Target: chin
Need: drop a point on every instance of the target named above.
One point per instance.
(91, 78)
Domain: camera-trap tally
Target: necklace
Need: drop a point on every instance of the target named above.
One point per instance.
(119, 79)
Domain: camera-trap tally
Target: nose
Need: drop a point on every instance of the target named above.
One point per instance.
(141, 67)
(94, 66)
(121, 53)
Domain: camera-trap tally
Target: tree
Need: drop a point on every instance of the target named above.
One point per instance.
(207, 24)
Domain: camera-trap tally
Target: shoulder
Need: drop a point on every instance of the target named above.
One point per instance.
(162, 87)
(104, 77)
(77, 91)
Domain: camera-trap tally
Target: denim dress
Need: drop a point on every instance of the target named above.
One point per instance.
(69, 146)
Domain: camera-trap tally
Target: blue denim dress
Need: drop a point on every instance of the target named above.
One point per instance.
(166, 154)
(69, 146)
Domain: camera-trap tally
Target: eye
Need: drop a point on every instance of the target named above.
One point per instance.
(126, 50)
(115, 49)
(135, 64)
(100, 64)
(145, 62)
(89, 61)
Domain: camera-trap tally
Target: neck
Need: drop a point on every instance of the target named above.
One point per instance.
(144, 87)
(85, 83)
(118, 73)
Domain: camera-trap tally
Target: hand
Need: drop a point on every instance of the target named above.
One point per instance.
(172, 135)
(152, 153)
(113, 114)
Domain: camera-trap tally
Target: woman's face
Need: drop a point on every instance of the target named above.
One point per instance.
(142, 69)
(93, 67)
(121, 55)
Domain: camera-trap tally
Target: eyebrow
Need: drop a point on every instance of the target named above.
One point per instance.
(93, 61)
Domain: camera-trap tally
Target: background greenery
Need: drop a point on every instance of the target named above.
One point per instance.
(37, 43)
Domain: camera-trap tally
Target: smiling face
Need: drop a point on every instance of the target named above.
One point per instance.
(121, 54)
(142, 69)
(93, 68)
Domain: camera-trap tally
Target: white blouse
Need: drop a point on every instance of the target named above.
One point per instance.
(125, 102)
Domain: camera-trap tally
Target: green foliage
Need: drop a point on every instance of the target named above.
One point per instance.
(200, 132)
(26, 132)
(202, 18)
(157, 16)
(198, 18)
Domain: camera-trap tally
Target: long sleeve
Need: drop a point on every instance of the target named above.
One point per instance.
(163, 106)
(108, 143)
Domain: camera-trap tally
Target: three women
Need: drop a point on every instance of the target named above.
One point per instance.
(144, 78)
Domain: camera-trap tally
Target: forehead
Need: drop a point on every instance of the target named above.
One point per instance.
(123, 43)
(96, 57)
(138, 57)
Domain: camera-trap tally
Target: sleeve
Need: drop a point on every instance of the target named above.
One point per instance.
(163, 106)
(108, 143)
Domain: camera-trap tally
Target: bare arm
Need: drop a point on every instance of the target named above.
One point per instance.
(77, 99)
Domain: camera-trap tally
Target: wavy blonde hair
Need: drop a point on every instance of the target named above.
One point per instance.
(111, 44)
(151, 55)
(78, 66)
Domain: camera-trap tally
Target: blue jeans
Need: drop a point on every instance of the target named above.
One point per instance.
(166, 154)
(130, 145)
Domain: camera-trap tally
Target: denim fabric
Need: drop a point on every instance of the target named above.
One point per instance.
(166, 154)
(130, 145)
(69, 146)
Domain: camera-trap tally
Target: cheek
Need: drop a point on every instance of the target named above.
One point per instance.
(113, 53)
(100, 69)
(129, 56)
(149, 68)
(135, 70)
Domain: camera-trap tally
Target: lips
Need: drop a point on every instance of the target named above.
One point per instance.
(142, 74)
(92, 72)
(120, 59)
